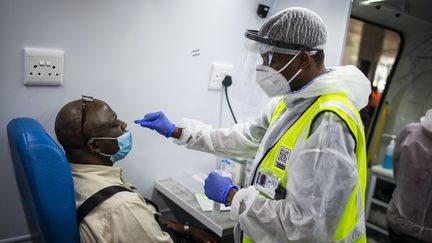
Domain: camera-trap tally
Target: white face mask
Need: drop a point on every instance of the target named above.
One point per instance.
(272, 82)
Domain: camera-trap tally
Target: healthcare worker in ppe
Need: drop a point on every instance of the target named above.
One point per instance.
(409, 215)
(308, 179)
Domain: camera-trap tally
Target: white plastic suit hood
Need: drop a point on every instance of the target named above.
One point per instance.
(426, 120)
(344, 79)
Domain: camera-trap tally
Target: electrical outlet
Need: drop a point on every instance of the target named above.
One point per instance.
(43, 66)
(219, 71)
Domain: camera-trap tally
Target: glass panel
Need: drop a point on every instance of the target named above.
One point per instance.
(373, 49)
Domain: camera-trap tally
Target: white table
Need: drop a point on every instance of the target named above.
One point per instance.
(221, 224)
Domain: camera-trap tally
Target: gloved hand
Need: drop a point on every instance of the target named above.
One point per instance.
(217, 187)
(159, 122)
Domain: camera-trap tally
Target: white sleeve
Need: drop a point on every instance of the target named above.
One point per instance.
(239, 140)
(320, 179)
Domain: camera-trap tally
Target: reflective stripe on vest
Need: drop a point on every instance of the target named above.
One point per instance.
(352, 217)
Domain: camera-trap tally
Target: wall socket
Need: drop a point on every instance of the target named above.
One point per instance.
(43, 66)
(219, 71)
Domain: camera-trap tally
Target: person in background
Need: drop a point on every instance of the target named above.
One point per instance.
(93, 139)
(367, 113)
(409, 214)
(375, 97)
(308, 179)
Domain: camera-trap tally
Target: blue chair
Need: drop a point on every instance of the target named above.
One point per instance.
(44, 180)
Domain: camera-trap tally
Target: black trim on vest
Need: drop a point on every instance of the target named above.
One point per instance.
(349, 129)
(271, 147)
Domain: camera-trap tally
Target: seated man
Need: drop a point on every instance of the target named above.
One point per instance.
(93, 139)
(409, 214)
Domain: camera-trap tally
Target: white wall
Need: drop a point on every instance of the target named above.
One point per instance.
(136, 55)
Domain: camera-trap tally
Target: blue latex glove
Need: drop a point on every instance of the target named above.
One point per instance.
(217, 187)
(159, 122)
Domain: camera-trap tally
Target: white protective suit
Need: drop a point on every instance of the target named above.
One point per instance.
(320, 175)
(410, 209)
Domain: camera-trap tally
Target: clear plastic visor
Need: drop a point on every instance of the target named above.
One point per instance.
(255, 53)
(264, 53)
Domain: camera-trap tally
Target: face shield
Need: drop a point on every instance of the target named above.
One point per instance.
(258, 55)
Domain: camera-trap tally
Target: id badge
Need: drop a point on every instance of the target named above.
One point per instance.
(266, 183)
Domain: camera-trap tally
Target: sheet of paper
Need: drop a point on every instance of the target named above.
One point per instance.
(207, 204)
(193, 183)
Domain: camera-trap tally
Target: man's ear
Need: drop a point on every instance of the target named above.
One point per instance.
(304, 60)
(92, 146)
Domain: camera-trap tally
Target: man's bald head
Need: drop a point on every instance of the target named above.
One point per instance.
(68, 125)
(98, 117)
(88, 137)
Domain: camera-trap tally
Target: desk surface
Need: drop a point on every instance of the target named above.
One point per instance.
(221, 224)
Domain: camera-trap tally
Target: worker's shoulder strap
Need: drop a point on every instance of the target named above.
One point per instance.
(92, 202)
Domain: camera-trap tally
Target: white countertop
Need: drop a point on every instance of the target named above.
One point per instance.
(378, 169)
(220, 224)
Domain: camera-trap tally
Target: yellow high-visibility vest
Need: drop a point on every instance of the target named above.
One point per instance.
(353, 212)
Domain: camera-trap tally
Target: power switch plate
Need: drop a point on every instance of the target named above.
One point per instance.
(43, 66)
(219, 71)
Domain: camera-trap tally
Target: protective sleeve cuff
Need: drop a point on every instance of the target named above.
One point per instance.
(185, 135)
(243, 201)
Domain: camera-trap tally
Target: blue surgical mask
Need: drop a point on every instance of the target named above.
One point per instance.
(124, 142)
